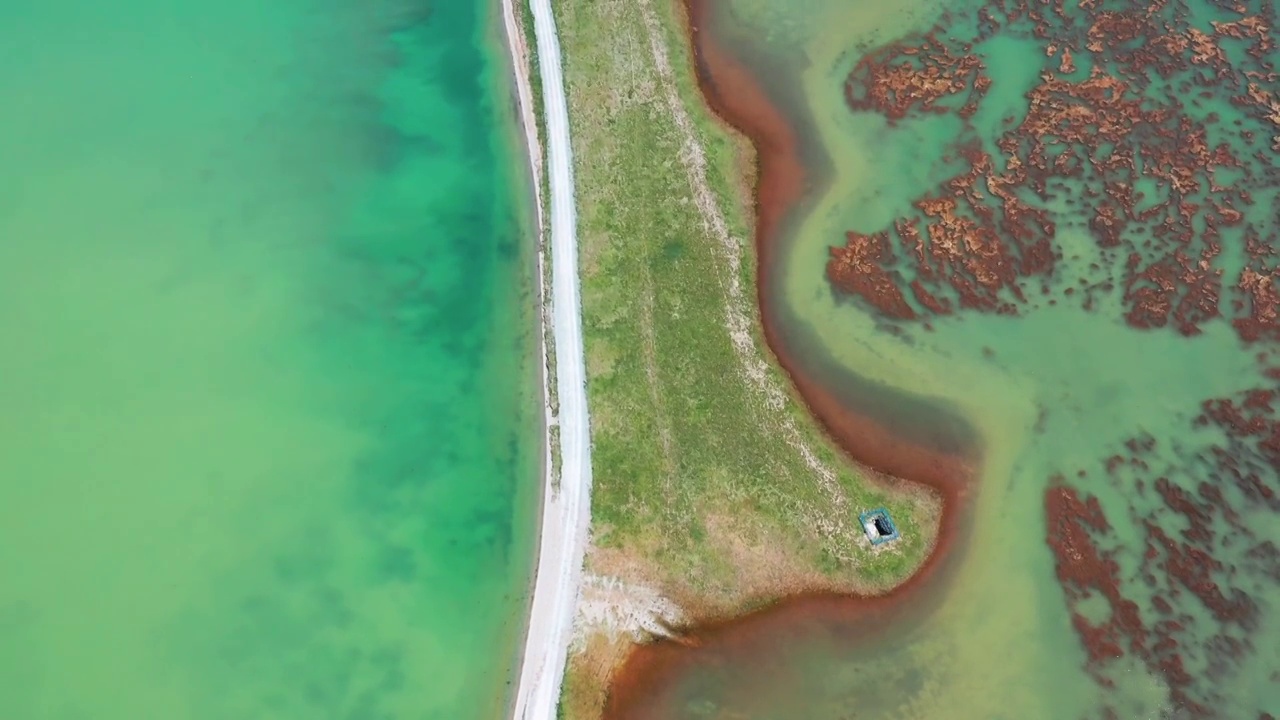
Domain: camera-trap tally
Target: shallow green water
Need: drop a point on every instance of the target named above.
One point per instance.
(1055, 391)
(268, 412)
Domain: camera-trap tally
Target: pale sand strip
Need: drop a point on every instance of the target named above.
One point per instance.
(566, 506)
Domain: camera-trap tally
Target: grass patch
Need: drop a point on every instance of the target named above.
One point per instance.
(679, 434)
(524, 19)
(696, 485)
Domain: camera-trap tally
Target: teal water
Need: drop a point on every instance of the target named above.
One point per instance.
(269, 414)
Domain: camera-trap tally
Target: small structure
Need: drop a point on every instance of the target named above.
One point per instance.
(878, 526)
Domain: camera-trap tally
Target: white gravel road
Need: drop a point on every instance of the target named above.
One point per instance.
(566, 506)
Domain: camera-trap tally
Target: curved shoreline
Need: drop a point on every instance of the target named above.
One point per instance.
(737, 99)
(566, 505)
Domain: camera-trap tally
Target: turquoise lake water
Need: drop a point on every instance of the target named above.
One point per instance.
(269, 415)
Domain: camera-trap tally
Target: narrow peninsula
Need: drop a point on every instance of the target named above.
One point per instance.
(717, 492)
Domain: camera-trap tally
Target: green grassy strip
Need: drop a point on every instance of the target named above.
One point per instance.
(641, 235)
(696, 447)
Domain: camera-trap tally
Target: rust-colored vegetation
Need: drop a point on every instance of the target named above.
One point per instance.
(1133, 154)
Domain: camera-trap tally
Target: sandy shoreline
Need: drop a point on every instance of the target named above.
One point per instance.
(518, 53)
(566, 508)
